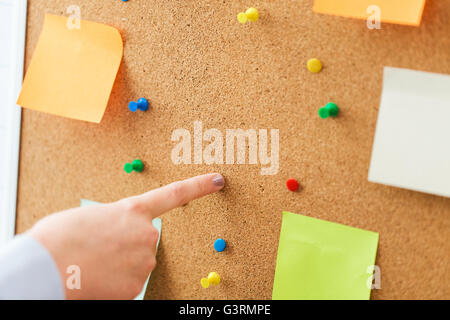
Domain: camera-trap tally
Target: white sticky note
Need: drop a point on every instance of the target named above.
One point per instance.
(157, 223)
(412, 141)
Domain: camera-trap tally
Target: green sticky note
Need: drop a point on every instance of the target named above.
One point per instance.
(323, 260)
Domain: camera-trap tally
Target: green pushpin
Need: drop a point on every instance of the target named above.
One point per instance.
(330, 110)
(136, 165)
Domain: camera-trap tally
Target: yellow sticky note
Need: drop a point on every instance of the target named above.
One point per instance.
(73, 70)
(407, 12)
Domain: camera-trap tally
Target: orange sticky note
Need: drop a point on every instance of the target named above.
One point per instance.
(407, 12)
(73, 70)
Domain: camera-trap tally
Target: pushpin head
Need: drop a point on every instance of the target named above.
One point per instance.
(128, 167)
(142, 104)
(133, 106)
(324, 113)
(220, 245)
(334, 109)
(136, 165)
(214, 278)
(314, 65)
(252, 14)
(330, 110)
(205, 283)
(292, 185)
(242, 17)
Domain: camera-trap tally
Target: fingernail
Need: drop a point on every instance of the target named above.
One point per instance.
(218, 180)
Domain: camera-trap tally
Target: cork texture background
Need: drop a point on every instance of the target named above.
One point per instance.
(194, 61)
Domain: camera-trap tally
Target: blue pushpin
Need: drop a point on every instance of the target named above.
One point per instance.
(220, 245)
(141, 104)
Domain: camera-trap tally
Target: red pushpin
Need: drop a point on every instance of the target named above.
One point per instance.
(292, 185)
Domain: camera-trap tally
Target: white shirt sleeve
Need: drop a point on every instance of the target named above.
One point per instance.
(28, 271)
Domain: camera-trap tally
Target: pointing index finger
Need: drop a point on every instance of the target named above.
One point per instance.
(176, 194)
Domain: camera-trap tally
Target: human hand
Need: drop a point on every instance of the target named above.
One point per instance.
(114, 245)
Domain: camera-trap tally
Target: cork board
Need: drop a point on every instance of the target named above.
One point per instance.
(196, 63)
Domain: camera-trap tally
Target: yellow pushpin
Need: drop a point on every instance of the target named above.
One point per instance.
(314, 65)
(242, 17)
(213, 278)
(251, 14)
